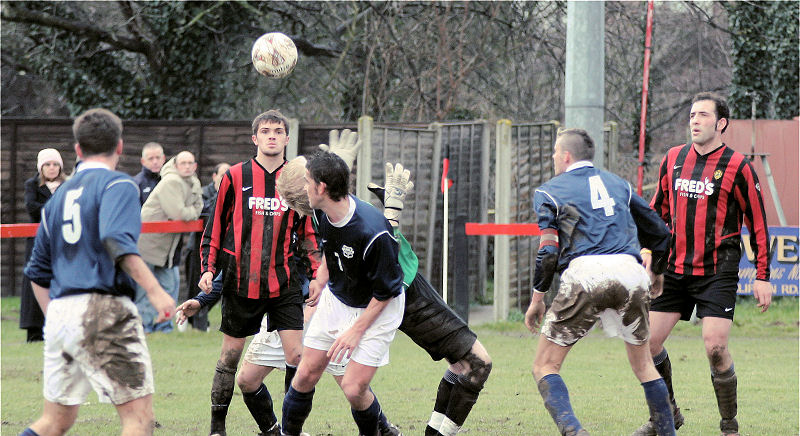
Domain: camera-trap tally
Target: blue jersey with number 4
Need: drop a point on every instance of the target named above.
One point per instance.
(88, 223)
(604, 203)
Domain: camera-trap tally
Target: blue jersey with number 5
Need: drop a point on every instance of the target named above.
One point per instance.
(604, 203)
(88, 223)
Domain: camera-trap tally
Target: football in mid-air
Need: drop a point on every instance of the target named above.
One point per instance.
(274, 55)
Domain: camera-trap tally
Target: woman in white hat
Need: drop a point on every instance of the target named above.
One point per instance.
(38, 189)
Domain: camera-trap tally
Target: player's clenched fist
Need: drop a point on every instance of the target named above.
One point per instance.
(163, 303)
(205, 281)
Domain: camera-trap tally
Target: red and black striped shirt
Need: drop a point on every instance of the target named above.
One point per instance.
(249, 234)
(704, 200)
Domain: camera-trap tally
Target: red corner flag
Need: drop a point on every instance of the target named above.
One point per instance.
(445, 170)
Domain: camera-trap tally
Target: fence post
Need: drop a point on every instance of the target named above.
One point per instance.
(432, 197)
(364, 165)
(483, 242)
(461, 267)
(501, 215)
(294, 138)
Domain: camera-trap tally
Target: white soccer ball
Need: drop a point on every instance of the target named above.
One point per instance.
(274, 55)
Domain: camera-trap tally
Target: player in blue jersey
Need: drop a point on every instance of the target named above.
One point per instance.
(358, 292)
(83, 267)
(593, 226)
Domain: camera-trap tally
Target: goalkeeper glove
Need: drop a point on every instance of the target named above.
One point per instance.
(345, 146)
(398, 184)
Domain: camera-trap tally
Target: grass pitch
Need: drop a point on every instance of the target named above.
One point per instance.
(605, 395)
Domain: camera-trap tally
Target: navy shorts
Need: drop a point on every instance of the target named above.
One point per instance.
(713, 295)
(241, 317)
(433, 325)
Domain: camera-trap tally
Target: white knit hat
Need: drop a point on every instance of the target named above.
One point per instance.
(48, 155)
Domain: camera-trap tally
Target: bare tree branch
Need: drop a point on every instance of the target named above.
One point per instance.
(13, 13)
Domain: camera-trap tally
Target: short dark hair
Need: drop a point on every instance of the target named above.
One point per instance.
(580, 150)
(721, 109)
(273, 115)
(218, 166)
(98, 131)
(330, 169)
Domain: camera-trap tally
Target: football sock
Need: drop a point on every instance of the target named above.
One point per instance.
(440, 406)
(260, 405)
(556, 401)
(221, 394)
(28, 432)
(296, 407)
(287, 378)
(655, 391)
(367, 420)
(664, 368)
(463, 396)
(383, 422)
(725, 389)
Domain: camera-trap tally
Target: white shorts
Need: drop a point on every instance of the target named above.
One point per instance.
(334, 317)
(613, 288)
(266, 349)
(94, 341)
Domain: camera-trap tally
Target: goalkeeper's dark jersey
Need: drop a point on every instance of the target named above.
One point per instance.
(249, 234)
(703, 199)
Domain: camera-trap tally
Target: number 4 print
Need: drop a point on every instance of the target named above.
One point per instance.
(600, 197)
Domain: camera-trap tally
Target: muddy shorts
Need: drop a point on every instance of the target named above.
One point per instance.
(433, 325)
(613, 288)
(266, 349)
(241, 317)
(713, 295)
(95, 341)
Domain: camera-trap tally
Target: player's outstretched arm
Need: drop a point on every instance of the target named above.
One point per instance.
(138, 270)
(345, 146)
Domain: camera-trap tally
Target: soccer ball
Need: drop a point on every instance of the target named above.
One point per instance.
(274, 55)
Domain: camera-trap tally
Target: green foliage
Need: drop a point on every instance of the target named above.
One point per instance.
(765, 58)
(177, 73)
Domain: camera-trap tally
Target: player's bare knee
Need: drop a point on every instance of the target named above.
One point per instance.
(354, 392)
(230, 358)
(716, 354)
(247, 382)
(655, 347)
(293, 359)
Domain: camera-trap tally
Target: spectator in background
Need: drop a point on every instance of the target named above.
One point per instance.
(200, 320)
(38, 189)
(176, 197)
(152, 160)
